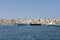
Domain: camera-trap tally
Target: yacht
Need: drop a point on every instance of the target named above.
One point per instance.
(53, 24)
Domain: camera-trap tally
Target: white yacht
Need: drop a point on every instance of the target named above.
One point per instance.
(52, 24)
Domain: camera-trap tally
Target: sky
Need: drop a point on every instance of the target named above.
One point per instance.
(29, 8)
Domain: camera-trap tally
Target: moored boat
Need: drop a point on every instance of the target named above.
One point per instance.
(35, 24)
(53, 24)
(22, 24)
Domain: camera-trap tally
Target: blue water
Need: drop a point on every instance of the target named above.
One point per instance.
(29, 33)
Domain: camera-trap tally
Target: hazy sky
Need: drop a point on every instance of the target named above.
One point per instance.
(29, 8)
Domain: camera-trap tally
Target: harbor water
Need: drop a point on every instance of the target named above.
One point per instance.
(29, 32)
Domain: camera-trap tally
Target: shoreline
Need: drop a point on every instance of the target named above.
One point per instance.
(28, 21)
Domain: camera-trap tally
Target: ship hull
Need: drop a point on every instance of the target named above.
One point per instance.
(35, 24)
(22, 24)
(54, 25)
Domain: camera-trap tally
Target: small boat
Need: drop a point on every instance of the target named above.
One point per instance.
(53, 24)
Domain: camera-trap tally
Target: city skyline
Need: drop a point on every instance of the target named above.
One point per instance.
(29, 8)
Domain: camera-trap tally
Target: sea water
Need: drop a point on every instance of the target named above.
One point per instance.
(29, 32)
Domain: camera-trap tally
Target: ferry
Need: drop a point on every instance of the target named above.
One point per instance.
(35, 24)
